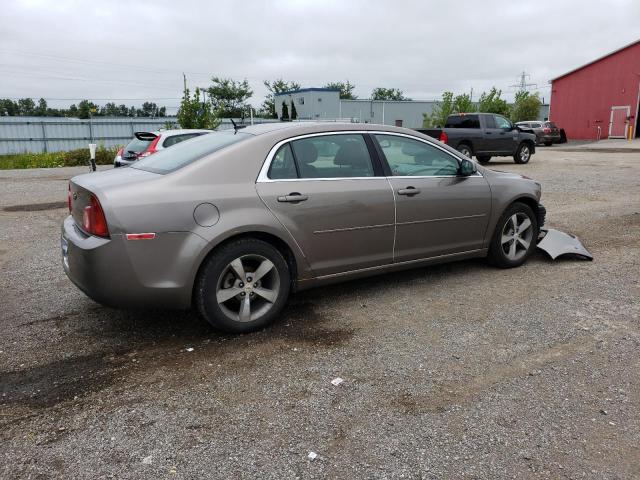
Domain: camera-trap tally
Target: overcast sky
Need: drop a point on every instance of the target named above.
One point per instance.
(131, 51)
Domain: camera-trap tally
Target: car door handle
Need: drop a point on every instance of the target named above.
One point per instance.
(293, 197)
(408, 191)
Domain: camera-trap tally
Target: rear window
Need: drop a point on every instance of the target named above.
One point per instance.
(184, 153)
(463, 121)
(135, 146)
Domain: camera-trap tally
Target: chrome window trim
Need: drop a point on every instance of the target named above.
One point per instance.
(264, 178)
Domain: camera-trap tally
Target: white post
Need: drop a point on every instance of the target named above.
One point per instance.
(92, 154)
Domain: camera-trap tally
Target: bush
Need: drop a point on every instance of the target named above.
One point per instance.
(72, 158)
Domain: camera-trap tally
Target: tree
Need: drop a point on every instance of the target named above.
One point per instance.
(294, 112)
(525, 107)
(9, 108)
(492, 103)
(279, 85)
(196, 112)
(26, 106)
(346, 89)
(86, 109)
(285, 112)
(382, 93)
(41, 109)
(449, 104)
(440, 112)
(229, 97)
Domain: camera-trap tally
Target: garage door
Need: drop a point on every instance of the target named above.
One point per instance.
(618, 123)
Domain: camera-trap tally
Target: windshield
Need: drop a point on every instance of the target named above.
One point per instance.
(136, 146)
(171, 159)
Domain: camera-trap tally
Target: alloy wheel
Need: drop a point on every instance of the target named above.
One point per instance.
(517, 235)
(247, 288)
(524, 154)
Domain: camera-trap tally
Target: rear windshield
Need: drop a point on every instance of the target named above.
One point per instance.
(136, 146)
(184, 153)
(463, 121)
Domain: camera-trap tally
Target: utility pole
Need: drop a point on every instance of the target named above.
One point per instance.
(523, 85)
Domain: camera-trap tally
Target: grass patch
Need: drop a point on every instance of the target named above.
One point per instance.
(72, 158)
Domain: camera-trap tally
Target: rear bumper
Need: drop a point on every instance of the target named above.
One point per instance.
(121, 273)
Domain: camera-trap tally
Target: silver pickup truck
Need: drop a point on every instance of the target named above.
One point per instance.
(486, 135)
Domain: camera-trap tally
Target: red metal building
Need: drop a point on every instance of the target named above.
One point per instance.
(599, 99)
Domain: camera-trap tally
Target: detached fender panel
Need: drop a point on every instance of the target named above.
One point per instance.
(557, 243)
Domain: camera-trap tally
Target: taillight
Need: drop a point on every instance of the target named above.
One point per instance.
(151, 148)
(444, 138)
(93, 220)
(546, 130)
(69, 197)
(120, 152)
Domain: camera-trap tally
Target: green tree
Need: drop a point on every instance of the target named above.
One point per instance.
(285, 112)
(41, 109)
(196, 112)
(294, 112)
(382, 93)
(274, 87)
(492, 103)
(463, 104)
(86, 109)
(346, 89)
(440, 112)
(229, 97)
(9, 108)
(525, 107)
(26, 106)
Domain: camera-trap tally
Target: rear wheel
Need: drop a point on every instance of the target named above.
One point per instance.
(548, 144)
(243, 286)
(483, 158)
(515, 236)
(465, 150)
(523, 154)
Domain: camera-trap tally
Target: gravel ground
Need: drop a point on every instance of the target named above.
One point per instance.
(455, 371)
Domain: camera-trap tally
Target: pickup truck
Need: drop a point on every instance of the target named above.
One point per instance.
(485, 135)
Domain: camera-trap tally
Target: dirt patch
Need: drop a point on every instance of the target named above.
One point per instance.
(55, 382)
(35, 207)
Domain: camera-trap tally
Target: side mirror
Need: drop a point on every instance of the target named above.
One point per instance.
(467, 168)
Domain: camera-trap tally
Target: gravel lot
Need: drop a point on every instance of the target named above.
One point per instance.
(456, 371)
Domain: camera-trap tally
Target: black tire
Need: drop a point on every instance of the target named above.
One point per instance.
(465, 150)
(216, 267)
(497, 255)
(548, 144)
(483, 158)
(523, 153)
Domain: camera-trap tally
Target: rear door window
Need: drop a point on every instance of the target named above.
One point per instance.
(489, 121)
(283, 166)
(332, 156)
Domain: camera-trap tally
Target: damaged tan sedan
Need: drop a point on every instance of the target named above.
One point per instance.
(231, 222)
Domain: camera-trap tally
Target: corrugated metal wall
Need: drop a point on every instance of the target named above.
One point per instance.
(42, 134)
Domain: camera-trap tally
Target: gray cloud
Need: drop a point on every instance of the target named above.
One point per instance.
(138, 50)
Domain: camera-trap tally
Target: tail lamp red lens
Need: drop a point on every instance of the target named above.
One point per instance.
(547, 130)
(93, 220)
(69, 197)
(152, 148)
(444, 138)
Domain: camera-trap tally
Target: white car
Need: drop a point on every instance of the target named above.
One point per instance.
(144, 144)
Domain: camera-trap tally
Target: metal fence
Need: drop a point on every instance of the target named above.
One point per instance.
(42, 134)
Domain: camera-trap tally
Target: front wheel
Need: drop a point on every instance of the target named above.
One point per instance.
(514, 238)
(243, 286)
(523, 154)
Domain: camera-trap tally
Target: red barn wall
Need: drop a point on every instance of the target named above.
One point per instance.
(582, 100)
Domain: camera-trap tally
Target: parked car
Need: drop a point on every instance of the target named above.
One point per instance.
(230, 223)
(546, 132)
(485, 135)
(144, 144)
